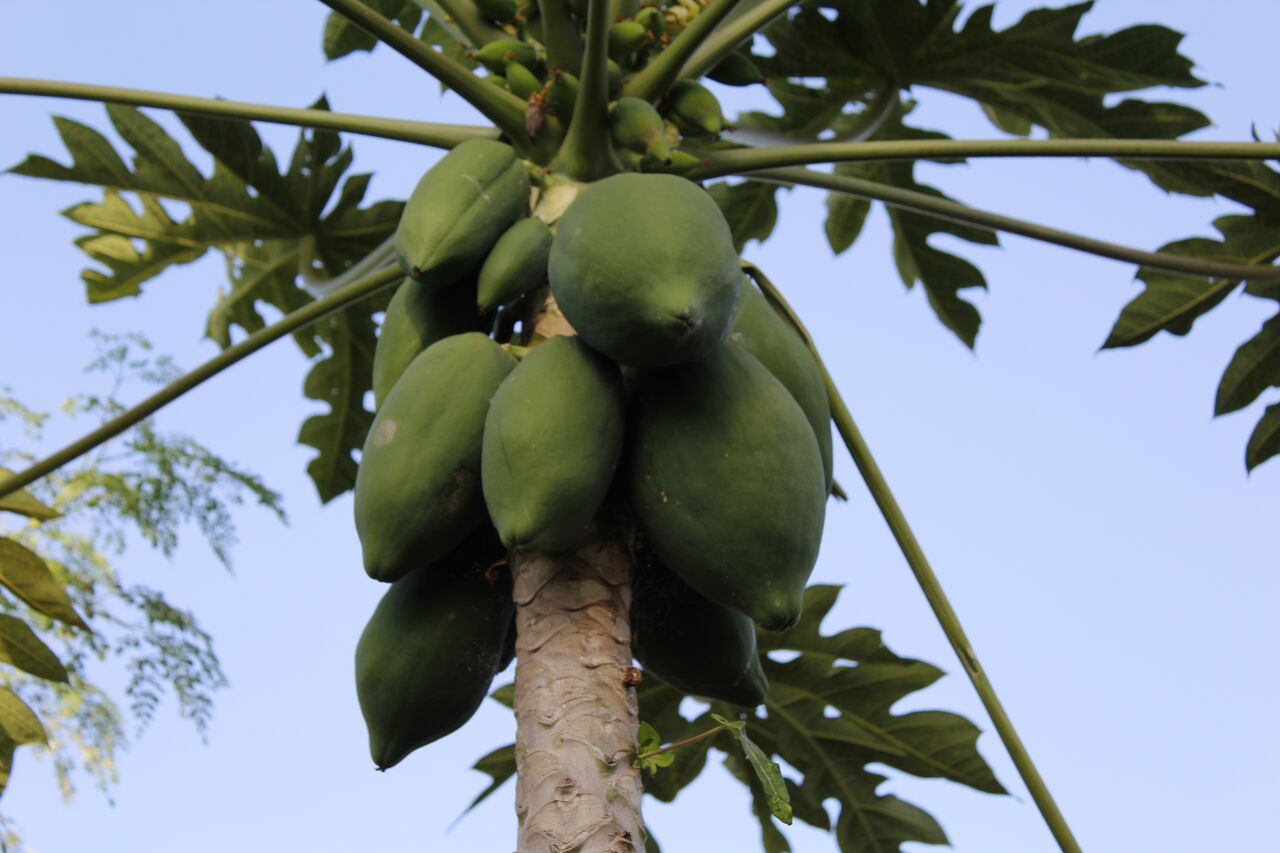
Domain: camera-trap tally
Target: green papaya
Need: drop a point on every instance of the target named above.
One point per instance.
(625, 38)
(561, 95)
(644, 268)
(416, 318)
(694, 110)
(521, 81)
(726, 483)
(417, 490)
(496, 54)
(552, 441)
(516, 265)
(502, 11)
(427, 657)
(616, 77)
(736, 69)
(761, 331)
(635, 126)
(650, 17)
(692, 643)
(459, 208)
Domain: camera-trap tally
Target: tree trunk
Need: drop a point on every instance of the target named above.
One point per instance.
(576, 713)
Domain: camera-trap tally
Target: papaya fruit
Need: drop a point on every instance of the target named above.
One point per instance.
(764, 333)
(427, 656)
(650, 17)
(736, 69)
(625, 38)
(726, 483)
(517, 264)
(521, 81)
(552, 440)
(692, 643)
(418, 316)
(458, 209)
(561, 95)
(644, 268)
(635, 126)
(502, 11)
(694, 110)
(417, 492)
(496, 54)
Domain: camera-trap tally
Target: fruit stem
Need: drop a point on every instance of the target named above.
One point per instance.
(560, 36)
(735, 31)
(291, 322)
(586, 154)
(502, 108)
(735, 161)
(420, 132)
(657, 77)
(925, 577)
(946, 209)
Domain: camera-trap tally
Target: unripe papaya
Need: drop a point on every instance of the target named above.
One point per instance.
(650, 17)
(694, 110)
(616, 77)
(417, 488)
(458, 209)
(692, 643)
(416, 318)
(428, 655)
(643, 267)
(761, 331)
(517, 264)
(552, 440)
(496, 54)
(625, 38)
(736, 69)
(521, 81)
(726, 483)
(501, 11)
(561, 95)
(636, 126)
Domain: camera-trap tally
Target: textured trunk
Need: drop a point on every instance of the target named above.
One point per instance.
(576, 713)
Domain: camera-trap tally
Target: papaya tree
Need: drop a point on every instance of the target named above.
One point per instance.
(599, 438)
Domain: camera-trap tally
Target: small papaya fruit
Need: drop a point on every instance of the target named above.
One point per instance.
(650, 17)
(694, 110)
(726, 483)
(418, 316)
(458, 209)
(496, 54)
(521, 81)
(561, 95)
(643, 267)
(736, 69)
(692, 643)
(625, 38)
(427, 657)
(516, 265)
(552, 441)
(616, 77)
(502, 11)
(635, 126)
(417, 490)
(761, 331)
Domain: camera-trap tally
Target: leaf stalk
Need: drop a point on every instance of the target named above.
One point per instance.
(587, 154)
(653, 81)
(735, 31)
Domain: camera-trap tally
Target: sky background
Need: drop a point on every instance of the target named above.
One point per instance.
(1093, 524)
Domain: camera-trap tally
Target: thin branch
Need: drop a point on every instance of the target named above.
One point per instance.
(502, 108)
(289, 323)
(421, 132)
(734, 32)
(686, 742)
(587, 154)
(927, 580)
(653, 81)
(955, 212)
(718, 163)
(560, 36)
(467, 18)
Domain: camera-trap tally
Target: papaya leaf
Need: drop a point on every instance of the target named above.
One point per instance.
(771, 838)
(1265, 440)
(500, 765)
(768, 772)
(845, 217)
(22, 503)
(750, 207)
(18, 722)
(24, 574)
(1254, 368)
(21, 647)
(505, 695)
(7, 747)
(342, 37)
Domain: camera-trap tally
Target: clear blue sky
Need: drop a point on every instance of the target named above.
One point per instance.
(1095, 528)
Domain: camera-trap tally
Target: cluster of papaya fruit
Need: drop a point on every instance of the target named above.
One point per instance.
(674, 405)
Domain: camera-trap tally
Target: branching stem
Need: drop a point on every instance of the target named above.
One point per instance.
(956, 212)
(927, 580)
(734, 32)
(686, 742)
(653, 81)
(290, 323)
(421, 132)
(587, 154)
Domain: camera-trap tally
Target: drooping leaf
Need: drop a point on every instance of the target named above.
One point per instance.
(750, 207)
(1264, 442)
(342, 37)
(500, 765)
(845, 217)
(22, 503)
(1254, 368)
(18, 722)
(24, 574)
(21, 647)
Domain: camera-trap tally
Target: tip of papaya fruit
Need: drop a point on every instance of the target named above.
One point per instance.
(779, 620)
